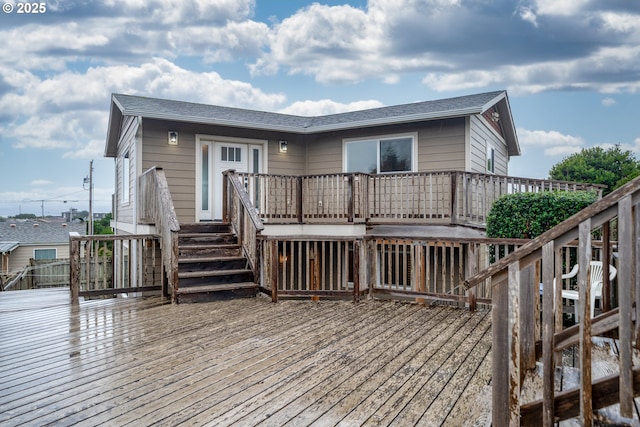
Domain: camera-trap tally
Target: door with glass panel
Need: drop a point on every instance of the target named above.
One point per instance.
(213, 158)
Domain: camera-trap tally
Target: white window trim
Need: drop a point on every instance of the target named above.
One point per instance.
(55, 250)
(125, 197)
(490, 154)
(378, 138)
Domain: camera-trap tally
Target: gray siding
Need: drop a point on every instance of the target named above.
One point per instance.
(441, 146)
(19, 258)
(482, 135)
(178, 163)
(293, 162)
(129, 132)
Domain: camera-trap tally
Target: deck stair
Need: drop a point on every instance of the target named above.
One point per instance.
(211, 264)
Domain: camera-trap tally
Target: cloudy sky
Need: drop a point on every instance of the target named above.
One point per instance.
(571, 69)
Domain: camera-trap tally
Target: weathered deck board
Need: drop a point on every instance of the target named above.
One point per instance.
(242, 362)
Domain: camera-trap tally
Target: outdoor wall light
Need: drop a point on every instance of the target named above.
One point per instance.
(173, 138)
(283, 147)
(495, 116)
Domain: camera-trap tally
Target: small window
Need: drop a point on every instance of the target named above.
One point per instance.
(491, 159)
(126, 187)
(44, 254)
(231, 154)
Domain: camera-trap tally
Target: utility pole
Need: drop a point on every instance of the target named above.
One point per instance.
(89, 180)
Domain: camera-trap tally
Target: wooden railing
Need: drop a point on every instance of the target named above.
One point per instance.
(515, 296)
(446, 197)
(137, 256)
(315, 266)
(240, 213)
(155, 207)
(393, 267)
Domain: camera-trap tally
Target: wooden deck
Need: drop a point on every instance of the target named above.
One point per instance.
(242, 362)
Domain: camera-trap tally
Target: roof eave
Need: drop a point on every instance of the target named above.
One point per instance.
(313, 128)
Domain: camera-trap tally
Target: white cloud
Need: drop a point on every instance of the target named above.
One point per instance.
(608, 102)
(41, 182)
(70, 110)
(327, 106)
(560, 7)
(553, 143)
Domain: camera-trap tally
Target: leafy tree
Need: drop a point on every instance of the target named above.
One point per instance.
(24, 216)
(102, 226)
(611, 167)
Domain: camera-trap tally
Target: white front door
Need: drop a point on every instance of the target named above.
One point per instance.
(214, 156)
(227, 156)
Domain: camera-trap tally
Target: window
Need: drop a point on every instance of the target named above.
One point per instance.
(44, 254)
(386, 155)
(491, 159)
(126, 187)
(231, 154)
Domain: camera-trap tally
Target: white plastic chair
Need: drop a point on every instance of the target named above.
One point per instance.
(596, 285)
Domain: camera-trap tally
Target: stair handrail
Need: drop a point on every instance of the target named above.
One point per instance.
(511, 340)
(238, 210)
(156, 207)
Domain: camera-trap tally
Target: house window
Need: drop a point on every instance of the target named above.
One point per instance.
(126, 188)
(384, 155)
(491, 159)
(231, 154)
(44, 254)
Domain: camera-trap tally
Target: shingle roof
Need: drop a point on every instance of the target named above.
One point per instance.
(201, 113)
(188, 112)
(36, 232)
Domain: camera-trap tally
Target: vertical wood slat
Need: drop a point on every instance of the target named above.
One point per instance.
(529, 291)
(625, 248)
(584, 259)
(636, 279)
(500, 353)
(548, 343)
(273, 256)
(514, 346)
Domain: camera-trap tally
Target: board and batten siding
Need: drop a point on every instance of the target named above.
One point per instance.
(481, 135)
(128, 132)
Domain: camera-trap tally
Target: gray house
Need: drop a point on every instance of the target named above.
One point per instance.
(194, 143)
(22, 241)
(421, 169)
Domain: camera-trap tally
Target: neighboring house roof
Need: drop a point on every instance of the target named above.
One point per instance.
(163, 109)
(7, 247)
(37, 232)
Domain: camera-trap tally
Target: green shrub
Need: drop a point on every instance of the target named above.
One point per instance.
(527, 215)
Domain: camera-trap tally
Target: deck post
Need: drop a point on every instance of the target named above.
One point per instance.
(548, 342)
(606, 259)
(500, 354)
(225, 195)
(529, 300)
(74, 268)
(454, 198)
(357, 246)
(584, 259)
(299, 195)
(273, 269)
(625, 246)
(351, 198)
(471, 269)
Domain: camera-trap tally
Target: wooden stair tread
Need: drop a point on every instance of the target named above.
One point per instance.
(216, 288)
(210, 259)
(212, 273)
